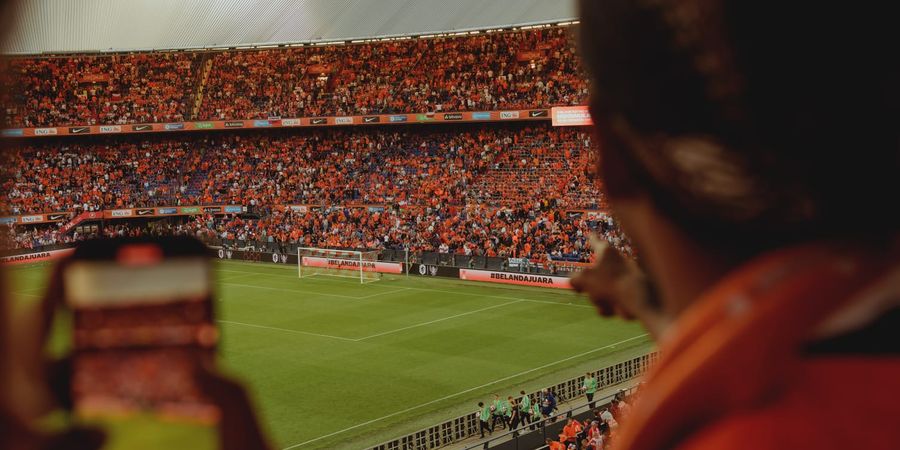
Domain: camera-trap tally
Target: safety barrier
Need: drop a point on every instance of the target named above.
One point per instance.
(465, 426)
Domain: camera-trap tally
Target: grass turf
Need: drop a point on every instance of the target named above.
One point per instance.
(335, 364)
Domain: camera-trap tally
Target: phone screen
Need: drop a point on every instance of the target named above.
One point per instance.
(142, 323)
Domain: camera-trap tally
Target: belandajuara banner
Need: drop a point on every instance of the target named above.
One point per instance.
(351, 264)
(524, 279)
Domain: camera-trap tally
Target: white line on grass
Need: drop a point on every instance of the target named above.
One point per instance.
(255, 286)
(502, 297)
(462, 392)
(356, 283)
(373, 335)
(283, 267)
(294, 275)
(384, 293)
(231, 322)
(470, 294)
(438, 320)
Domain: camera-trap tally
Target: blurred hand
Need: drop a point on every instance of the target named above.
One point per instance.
(238, 428)
(31, 384)
(17, 434)
(618, 287)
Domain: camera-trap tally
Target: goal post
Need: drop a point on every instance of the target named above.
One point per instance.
(360, 265)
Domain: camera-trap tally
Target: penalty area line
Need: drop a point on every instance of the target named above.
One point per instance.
(286, 330)
(437, 320)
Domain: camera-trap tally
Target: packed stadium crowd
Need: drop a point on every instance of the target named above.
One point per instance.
(492, 191)
(523, 69)
(496, 166)
(34, 237)
(97, 90)
(471, 231)
(487, 71)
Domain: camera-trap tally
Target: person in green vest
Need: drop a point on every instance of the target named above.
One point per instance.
(484, 417)
(524, 408)
(535, 415)
(498, 411)
(589, 388)
(511, 412)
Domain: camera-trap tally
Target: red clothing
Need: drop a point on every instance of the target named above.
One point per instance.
(734, 373)
(557, 446)
(571, 431)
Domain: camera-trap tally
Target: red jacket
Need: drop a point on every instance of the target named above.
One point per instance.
(735, 372)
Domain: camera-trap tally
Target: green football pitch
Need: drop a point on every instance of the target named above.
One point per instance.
(332, 363)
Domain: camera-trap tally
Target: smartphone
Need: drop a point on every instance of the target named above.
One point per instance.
(142, 324)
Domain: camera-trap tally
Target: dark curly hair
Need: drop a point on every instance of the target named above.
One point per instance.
(751, 124)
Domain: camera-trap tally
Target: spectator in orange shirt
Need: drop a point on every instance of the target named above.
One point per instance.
(770, 249)
(555, 445)
(571, 430)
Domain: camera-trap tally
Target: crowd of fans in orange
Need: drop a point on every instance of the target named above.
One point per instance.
(524, 69)
(537, 235)
(485, 71)
(91, 90)
(512, 166)
(473, 190)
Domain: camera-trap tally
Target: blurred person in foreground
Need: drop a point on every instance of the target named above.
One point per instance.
(32, 385)
(750, 151)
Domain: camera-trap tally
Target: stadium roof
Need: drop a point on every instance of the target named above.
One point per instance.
(54, 26)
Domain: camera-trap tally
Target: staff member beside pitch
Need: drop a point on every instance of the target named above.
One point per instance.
(524, 409)
(484, 416)
(498, 412)
(589, 387)
(535, 415)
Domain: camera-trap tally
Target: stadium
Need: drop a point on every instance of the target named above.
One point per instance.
(409, 220)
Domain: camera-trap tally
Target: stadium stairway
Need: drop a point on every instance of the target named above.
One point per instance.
(200, 86)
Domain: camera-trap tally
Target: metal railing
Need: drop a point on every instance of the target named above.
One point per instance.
(463, 427)
(537, 431)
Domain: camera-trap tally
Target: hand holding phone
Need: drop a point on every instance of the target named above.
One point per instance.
(142, 327)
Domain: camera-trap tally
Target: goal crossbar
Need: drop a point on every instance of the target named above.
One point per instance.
(312, 262)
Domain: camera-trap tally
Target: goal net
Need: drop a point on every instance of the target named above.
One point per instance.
(360, 265)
